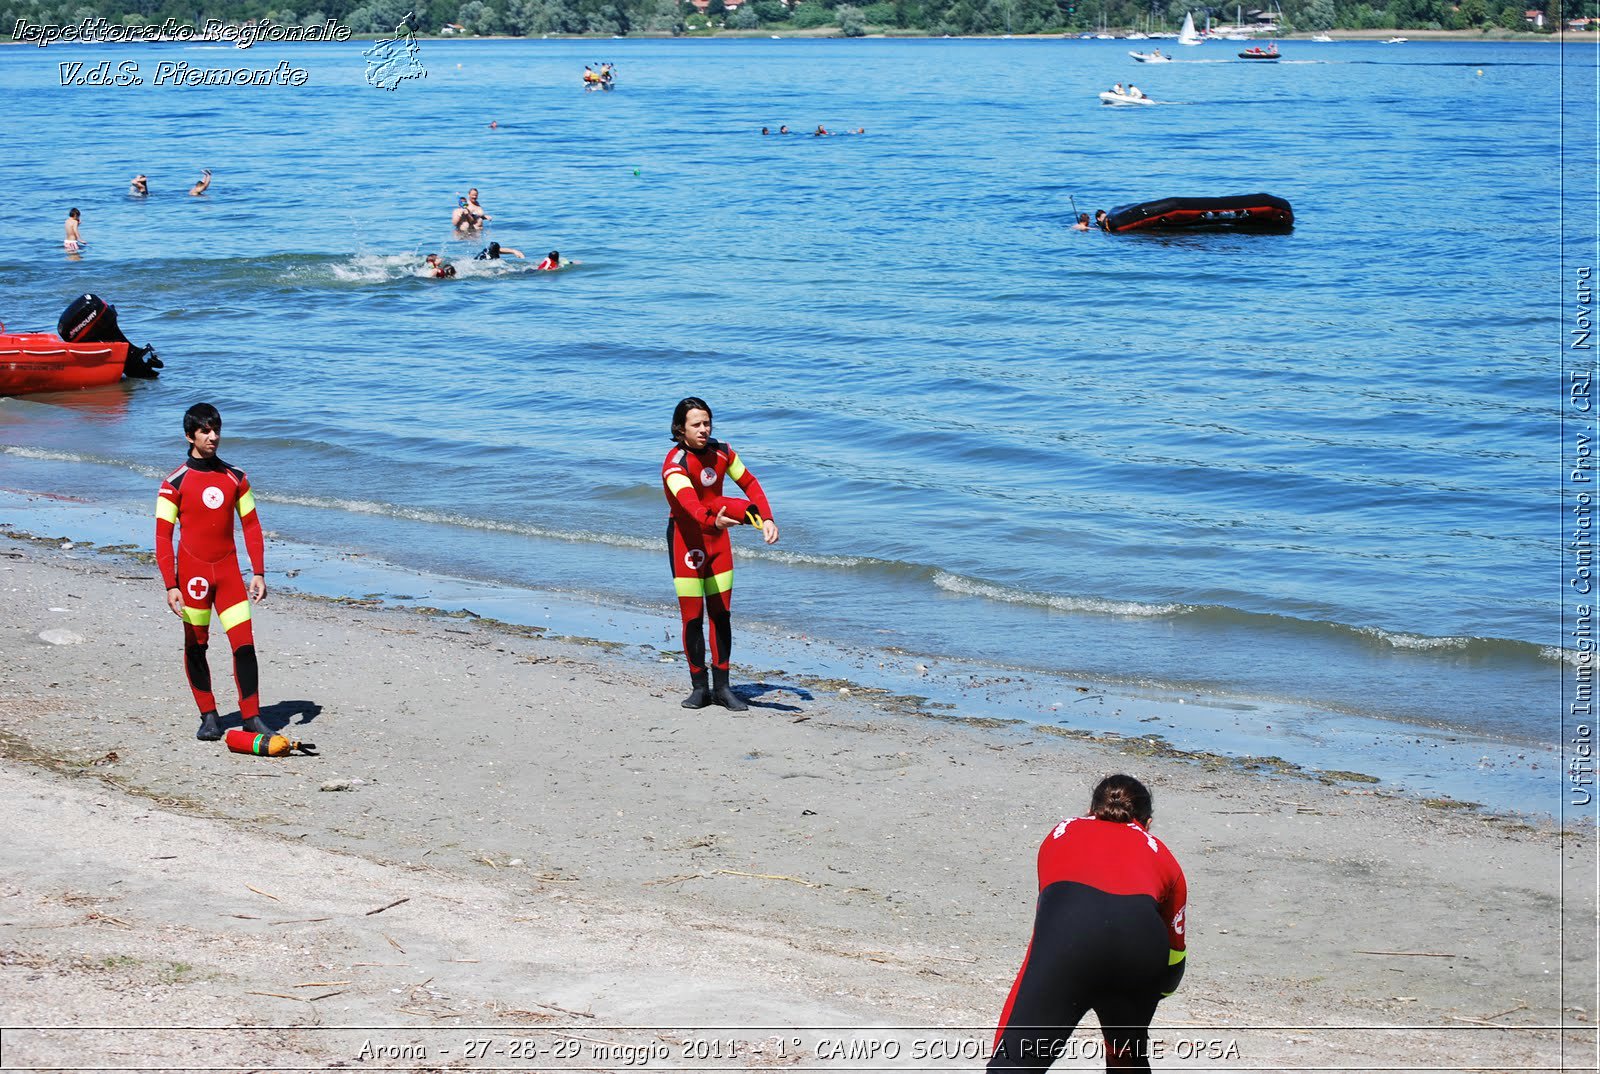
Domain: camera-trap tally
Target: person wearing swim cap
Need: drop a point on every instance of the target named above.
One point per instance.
(1108, 936)
(551, 262)
(701, 552)
(199, 500)
(494, 252)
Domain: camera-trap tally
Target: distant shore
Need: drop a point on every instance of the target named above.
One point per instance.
(833, 32)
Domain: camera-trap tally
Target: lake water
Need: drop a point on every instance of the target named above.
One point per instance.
(1319, 468)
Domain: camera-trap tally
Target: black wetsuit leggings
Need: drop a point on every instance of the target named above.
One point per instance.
(1090, 951)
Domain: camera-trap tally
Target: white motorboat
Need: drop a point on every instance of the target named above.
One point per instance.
(1395, 41)
(1322, 39)
(1109, 97)
(1151, 57)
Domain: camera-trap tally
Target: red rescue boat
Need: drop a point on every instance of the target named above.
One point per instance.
(44, 362)
(87, 350)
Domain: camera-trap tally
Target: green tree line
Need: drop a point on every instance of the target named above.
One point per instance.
(537, 17)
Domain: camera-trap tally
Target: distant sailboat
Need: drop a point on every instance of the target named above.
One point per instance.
(1187, 35)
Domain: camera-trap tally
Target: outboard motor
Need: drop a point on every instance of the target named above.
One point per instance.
(91, 319)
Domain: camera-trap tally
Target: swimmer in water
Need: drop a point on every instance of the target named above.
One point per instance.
(495, 252)
(551, 262)
(139, 187)
(200, 187)
(73, 241)
(440, 270)
(469, 215)
(1083, 222)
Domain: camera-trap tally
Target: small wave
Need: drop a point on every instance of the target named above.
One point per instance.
(446, 518)
(1556, 654)
(971, 587)
(46, 455)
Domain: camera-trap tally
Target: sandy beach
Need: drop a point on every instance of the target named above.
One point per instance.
(526, 840)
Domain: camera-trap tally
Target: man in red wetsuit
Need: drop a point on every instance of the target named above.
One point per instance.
(200, 499)
(697, 541)
(1108, 936)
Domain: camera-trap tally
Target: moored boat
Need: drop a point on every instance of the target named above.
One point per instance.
(44, 362)
(1241, 212)
(87, 350)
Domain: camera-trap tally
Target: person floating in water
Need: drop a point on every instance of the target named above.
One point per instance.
(552, 262)
(73, 240)
(1083, 222)
(783, 129)
(139, 187)
(494, 252)
(439, 270)
(1102, 220)
(200, 187)
(820, 131)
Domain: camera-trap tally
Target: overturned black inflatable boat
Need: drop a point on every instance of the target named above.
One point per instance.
(1243, 212)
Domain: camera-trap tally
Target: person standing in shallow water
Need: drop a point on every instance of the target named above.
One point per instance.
(701, 551)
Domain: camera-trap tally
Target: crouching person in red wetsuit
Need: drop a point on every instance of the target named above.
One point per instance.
(697, 540)
(1108, 936)
(200, 499)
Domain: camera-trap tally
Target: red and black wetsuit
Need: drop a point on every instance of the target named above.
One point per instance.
(1107, 936)
(201, 498)
(702, 555)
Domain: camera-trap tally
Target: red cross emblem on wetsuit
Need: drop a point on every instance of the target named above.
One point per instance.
(694, 558)
(198, 588)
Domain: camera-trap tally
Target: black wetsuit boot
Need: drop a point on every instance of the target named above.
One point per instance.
(700, 696)
(210, 729)
(256, 727)
(723, 694)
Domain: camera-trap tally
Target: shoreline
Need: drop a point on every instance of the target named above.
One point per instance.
(1449, 768)
(549, 837)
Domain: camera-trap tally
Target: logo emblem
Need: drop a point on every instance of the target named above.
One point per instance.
(198, 588)
(1177, 923)
(212, 497)
(392, 60)
(695, 558)
(707, 476)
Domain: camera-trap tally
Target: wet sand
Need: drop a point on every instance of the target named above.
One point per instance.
(579, 857)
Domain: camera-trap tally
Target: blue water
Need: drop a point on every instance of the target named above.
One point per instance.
(1319, 467)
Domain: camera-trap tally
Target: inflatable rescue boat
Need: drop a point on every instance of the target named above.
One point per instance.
(1243, 212)
(87, 350)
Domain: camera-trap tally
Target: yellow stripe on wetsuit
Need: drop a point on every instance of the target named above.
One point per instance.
(166, 510)
(676, 483)
(233, 616)
(702, 587)
(196, 616)
(247, 503)
(736, 469)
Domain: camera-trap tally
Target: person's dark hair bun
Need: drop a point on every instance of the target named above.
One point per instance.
(1121, 799)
